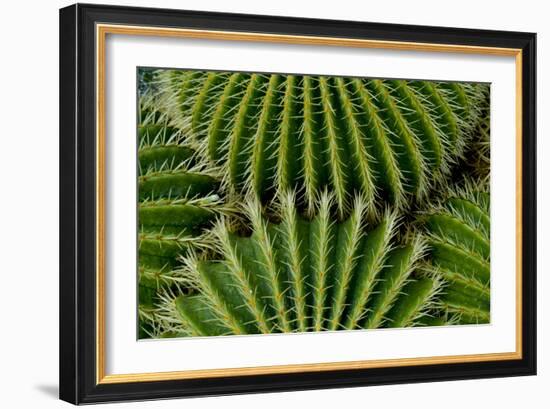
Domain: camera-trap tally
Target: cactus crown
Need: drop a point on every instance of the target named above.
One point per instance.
(390, 140)
(300, 275)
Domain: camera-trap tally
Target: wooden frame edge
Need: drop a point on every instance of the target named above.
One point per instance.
(300, 368)
(103, 29)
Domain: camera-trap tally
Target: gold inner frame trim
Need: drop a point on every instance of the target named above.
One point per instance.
(101, 33)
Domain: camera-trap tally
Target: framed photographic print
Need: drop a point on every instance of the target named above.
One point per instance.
(254, 203)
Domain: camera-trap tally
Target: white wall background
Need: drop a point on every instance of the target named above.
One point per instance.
(29, 202)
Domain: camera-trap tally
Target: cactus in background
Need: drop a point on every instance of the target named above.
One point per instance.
(178, 200)
(302, 275)
(458, 237)
(390, 140)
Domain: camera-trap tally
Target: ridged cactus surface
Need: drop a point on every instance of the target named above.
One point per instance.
(390, 140)
(304, 275)
(458, 237)
(177, 201)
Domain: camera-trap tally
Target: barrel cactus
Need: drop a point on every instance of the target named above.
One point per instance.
(390, 140)
(457, 232)
(177, 198)
(291, 274)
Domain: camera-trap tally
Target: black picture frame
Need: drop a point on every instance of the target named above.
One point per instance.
(78, 360)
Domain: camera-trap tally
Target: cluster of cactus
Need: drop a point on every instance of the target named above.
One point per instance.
(288, 203)
(177, 200)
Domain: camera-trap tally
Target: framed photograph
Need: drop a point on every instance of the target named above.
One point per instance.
(257, 203)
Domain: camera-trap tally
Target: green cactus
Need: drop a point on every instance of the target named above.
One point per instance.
(178, 200)
(390, 140)
(458, 234)
(295, 274)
